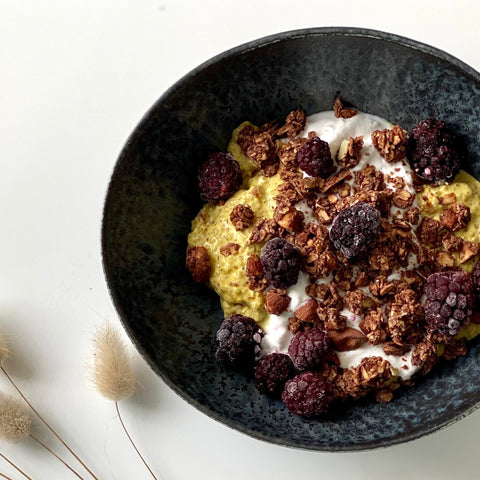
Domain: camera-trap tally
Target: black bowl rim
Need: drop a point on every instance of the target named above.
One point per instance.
(141, 127)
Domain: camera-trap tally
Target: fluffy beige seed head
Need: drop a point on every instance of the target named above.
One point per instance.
(15, 421)
(112, 372)
(3, 349)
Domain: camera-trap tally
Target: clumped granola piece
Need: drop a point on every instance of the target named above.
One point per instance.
(238, 342)
(331, 318)
(198, 263)
(263, 153)
(391, 144)
(429, 231)
(434, 151)
(307, 394)
(425, 355)
(288, 152)
(315, 158)
(450, 297)
(451, 242)
(219, 177)
(350, 152)
(318, 258)
(341, 111)
(403, 199)
(272, 372)
(230, 248)
(369, 178)
(256, 280)
(372, 373)
(281, 262)
(242, 217)
(404, 317)
(354, 229)
(469, 250)
(276, 301)
(374, 326)
(308, 348)
(294, 124)
(264, 230)
(456, 217)
(288, 217)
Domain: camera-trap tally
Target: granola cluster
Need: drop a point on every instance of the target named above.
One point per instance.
(370, 257)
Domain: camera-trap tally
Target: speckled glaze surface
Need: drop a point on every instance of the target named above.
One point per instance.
(152, 198)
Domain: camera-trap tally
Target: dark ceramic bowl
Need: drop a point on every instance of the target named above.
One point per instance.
(152, 199)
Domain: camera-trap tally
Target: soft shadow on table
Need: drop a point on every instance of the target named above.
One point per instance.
(18, 362)
(148, 393)
(442, 455)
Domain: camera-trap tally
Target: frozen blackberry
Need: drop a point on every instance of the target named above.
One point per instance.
(476, 279)
(281, 262)
(219, 177)
(308, 348)
(238, 342)
(315, 158)
(434, 151)
(355, 228)
(450, 297)
(272, 372)
(307, 394)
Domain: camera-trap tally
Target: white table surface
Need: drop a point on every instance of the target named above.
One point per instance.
(76, 77)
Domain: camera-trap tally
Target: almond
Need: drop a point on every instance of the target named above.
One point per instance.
(276, 302)
(307, 312)
(198, 263)
(348, 339)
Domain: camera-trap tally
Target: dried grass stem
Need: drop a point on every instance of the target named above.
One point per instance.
(34, 410)
(18, 469)
(131, 441)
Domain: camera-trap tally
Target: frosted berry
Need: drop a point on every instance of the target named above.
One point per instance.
(219, 177)
(308, 348)
(434, 151)
(238, 342)
(271, 373)
(476, 278)
(315, 158)
(281, 262)
(355, 228)
(450, 297)
(307, 394)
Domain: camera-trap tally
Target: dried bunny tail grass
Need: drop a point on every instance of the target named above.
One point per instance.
(15, 421)
(112, 372)
(4, 352)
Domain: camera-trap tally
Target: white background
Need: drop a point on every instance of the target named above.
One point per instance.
(75, 78)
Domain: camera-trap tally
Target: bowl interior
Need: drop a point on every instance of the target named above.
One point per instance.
(152, 198)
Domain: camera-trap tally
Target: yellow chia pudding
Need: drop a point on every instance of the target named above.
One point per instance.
(344, 253)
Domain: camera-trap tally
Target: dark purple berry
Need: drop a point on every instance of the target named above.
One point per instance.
(307, 394)
(476, 279)
(315, 158)
(238, 342)
(219, 177)
(434, 151)
(450, 297)
(272, 372)
(281, 262)
(308, 348)
(355, 228)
